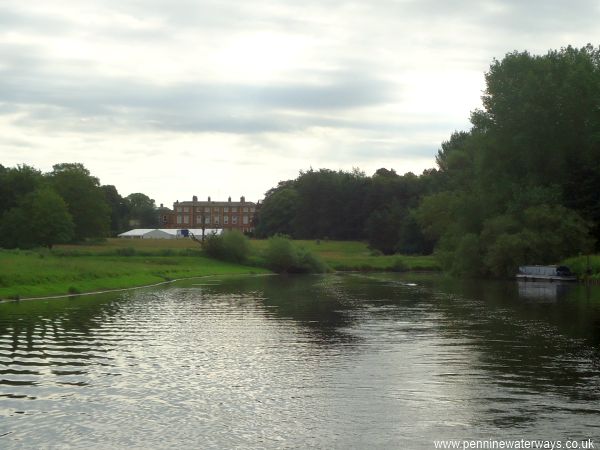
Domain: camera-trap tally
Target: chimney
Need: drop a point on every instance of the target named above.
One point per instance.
(242, 199)
(161, 205)
(209, 198)
(194, 198)
(229, 199)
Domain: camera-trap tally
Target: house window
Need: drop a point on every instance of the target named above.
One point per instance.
(245, 209)
(252, 209)
(215, 209)
(234, 209)
(225, 208)
(207, 209)
(207, 220)
(164, 219)
(225, 220)
(198, 219)
(179, 219)
(234, 219)
(186, 219)
(179, 209)
(186, 209)
(216, 220)
(245, 220)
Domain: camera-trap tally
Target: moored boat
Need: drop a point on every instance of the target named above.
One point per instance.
(546, 273)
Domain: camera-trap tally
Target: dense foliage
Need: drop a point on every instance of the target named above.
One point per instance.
(284, 256)
(326, 204)
(232, 246)
(65, 205)
(523, 185)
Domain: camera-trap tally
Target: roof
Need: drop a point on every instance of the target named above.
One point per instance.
(211, 203)
(137, 232)
(170, 231)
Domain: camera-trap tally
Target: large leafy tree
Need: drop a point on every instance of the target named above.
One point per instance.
(142, 211)
(17, 182)
(119, 209)
(521, 185)
(84, 198)
(41, 218)
(50, 221)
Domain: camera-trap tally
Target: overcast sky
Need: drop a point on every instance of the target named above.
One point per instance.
(175, 98)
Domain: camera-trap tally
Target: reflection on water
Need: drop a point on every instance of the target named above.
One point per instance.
(543, 290)
(337, 361)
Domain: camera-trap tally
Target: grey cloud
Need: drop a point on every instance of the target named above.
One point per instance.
(45, 94)
(550, 16)
(14, 18)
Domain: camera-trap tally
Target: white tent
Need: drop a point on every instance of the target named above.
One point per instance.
(147, 233)
(167, 233)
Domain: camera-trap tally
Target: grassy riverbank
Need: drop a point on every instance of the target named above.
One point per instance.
(31, 274)
(118, 263)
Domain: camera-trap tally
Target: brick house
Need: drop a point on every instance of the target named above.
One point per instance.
(228, 215)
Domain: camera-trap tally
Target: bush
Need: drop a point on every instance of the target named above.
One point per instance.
(230, 246)
(126, 251)
(399, 266)
(282, 256)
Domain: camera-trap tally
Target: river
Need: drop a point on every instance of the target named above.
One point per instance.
(334, 361)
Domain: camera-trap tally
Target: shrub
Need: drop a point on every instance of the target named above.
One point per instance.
(282, 256)
(398, 266)
(230, 246)
(126, 251)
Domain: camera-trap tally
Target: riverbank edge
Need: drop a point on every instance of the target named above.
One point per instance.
(232, 274)
(131, 288)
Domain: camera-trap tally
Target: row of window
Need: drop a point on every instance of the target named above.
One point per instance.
(207, 220)
(234, 209)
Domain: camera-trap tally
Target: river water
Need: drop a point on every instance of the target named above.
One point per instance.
(334, 361)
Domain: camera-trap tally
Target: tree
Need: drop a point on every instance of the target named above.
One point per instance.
(383, 228)
(119, 209)
(50, 220)
(15, 229)
(84, 198)
(40, 218)
(142, 211)
(15, 183)
(277, 211)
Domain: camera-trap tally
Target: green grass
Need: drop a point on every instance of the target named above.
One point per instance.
(31, 274)
(120, 263)
(356, 256)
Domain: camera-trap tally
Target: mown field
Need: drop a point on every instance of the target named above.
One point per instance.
(30, 274)
(354, 255)
(119, 263)
(338, 255)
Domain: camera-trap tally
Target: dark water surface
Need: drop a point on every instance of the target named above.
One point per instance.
(335, 361)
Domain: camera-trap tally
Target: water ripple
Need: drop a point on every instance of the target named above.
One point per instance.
(324, 362)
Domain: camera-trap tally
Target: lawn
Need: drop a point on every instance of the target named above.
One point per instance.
(355, 255)
(31, 274)
(121, 263)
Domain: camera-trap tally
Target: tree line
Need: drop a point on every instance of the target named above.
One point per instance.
(327, 204)
(67, 204)
(521, 186)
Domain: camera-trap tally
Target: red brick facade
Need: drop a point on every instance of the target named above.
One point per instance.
(192, 214)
